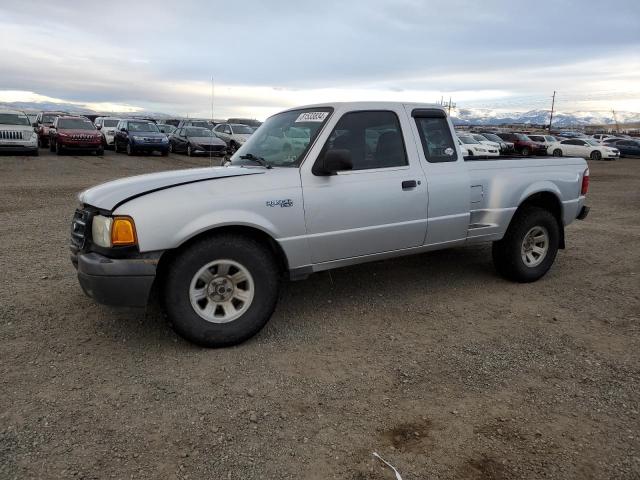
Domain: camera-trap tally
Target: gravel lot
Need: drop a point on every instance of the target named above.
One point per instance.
(433, 361)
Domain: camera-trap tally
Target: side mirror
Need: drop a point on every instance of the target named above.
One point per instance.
(98, 127)
(123, 130)
(333, 161)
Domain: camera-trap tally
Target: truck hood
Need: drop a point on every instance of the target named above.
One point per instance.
(110, 195)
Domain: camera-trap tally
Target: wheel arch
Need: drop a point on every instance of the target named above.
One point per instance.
(247, 231)
(548, 200)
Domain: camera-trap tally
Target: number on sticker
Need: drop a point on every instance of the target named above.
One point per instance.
(312, 117)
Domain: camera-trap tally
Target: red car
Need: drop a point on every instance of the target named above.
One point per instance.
(74, 133)
(523, 144)
(43, 122)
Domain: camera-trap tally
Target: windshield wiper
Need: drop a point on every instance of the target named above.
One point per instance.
(259, 160)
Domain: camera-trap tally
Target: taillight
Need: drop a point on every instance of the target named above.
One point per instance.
(585, 182)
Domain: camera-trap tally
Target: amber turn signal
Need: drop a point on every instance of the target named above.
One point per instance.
(123, 232)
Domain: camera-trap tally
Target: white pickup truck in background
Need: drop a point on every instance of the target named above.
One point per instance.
(374, 180)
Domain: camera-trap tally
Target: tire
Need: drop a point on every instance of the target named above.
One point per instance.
(508, 253)
(525, 151)
(233, 147)
(35, 152)
(557, 152)
(129, 149)
(100, 151)
(115, 147)
(596, 155)
(189, 152)
(165, 153)
(170, 147)
(52, 146)
(184, 270)
(58, 148)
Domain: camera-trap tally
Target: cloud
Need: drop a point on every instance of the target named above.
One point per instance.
(269, 55)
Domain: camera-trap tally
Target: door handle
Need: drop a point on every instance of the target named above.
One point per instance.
(407, 184)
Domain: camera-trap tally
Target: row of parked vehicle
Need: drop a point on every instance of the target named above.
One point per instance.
(597, 147)
(60, 131)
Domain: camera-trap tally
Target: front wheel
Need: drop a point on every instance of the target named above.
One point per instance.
(100, 151)
(529, 247)
(525, 151)
(557, 152)
(58, 148)
(221, 290)
(189, 151)
(129, 149)
(596, 155)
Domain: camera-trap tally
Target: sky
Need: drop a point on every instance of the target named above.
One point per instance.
(264, 56)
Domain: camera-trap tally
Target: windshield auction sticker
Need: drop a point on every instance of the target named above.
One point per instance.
(312, 117)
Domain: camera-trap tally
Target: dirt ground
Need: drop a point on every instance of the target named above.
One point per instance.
(433, 361)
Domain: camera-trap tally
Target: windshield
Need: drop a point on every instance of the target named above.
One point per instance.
(199, 132)
(550, 138)
(492, 137)
(142, 127)
(536, 138)
(109, 123)
(14, 119)
(591, 141)
(480, 138)
(242, 129)
(49, 118)
(282, 140)
(521, 136)
(468, 140)
(201, 124)
(75, 124)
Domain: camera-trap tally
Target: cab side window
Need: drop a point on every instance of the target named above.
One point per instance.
(435, 135)
(373, 138)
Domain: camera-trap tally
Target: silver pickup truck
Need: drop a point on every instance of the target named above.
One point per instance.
(370, 181)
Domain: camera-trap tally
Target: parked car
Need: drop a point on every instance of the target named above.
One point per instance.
(485, 141)
(135, 136)
(545, 140)
(44, 120)
(477, 149)
(166, 128)
(523, 144)
(17, 134)
(235, 134)
(601, 137)
(196, 141)
(583, 148)
(505, 147)
(218, 240)
(463, 149)
(107, 127)
(570, 134)
(194, 122)
(74, 133)
(627, 148)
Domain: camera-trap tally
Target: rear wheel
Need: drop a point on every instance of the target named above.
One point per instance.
(596, 155)
(557, 152)
(221, 290)
(525, 151)
(129, 149)
(529, 247)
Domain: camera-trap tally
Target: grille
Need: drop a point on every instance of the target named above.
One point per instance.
(10, 135)
(82, 137)
(79, 229)
(213, 148)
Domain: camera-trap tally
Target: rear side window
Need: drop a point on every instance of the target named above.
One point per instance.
(437, 143)
(373, 138)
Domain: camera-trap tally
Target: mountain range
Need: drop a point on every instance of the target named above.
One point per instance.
(460, 116)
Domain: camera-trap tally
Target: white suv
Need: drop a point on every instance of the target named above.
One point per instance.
(107, 126)
(235, 134)
(17, 133)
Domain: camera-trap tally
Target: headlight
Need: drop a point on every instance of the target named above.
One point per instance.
(110, 232)
(101, 231)
(110, 133)
(164, 139)
(135, 137)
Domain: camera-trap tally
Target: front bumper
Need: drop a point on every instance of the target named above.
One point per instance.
(71, 145)
(582, 214)
(150, 147)
(22, 147)
(122, 282)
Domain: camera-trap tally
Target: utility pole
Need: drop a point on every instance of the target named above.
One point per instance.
(451, 105)
(553, 103)
(616, 120)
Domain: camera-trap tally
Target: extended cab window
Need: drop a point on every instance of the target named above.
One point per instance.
(437, 143)
(374, 139)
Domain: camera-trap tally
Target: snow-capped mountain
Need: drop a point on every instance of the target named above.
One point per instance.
(486, 116)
